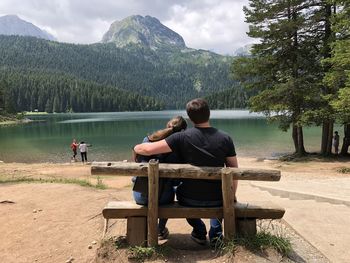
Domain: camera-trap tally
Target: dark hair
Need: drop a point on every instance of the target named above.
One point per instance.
(176, 124)
(336, 132)
(198, 111)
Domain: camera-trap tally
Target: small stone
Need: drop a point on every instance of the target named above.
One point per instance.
(70, 260)
(94, 242)
(34, 211)
(125, 161)
(89, 247)
(39, 210)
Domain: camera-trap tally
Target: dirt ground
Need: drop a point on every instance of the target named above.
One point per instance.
(50, 222)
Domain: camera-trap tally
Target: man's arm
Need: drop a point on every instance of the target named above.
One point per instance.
(152, 148)
(233, 162)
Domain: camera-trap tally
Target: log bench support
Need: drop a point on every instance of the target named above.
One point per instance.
(239, 218)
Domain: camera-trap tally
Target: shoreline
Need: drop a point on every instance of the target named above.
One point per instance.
(14, 121)
(286, 158)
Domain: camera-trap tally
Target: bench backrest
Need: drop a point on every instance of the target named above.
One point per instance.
(184, 171)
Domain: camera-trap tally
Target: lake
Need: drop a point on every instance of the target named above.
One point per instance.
(113, 134)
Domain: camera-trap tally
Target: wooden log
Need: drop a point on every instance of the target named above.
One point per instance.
(246, 227)
(184, 171)
(136, 231)
(228, 209)
(152, 218)
(259, 209)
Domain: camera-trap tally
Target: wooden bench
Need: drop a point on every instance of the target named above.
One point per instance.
(142, 220)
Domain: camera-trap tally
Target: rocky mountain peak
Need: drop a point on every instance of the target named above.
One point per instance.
(144, 31)
(13, 25)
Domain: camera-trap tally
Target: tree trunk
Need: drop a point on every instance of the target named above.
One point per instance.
(327, 136)
(298, 139)
(301, 148)
(330, 137)
(295, 138)
(346, 140)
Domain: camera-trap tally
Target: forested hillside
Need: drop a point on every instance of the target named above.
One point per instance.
(170, 77)
(232, 98)
(61, 93)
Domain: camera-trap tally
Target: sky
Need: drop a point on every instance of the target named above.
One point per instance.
(216, 25)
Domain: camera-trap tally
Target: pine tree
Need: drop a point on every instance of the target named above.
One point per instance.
(280, 68)
(338, 76)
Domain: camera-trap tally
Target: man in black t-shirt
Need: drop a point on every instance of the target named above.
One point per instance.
(202, 145)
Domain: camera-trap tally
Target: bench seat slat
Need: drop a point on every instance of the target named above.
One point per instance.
(259, 210)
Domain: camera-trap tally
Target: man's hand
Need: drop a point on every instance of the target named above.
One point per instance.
(152, 148)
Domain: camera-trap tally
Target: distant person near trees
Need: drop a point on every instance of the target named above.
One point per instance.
(336, 142)
(83, 148)
(74, 147)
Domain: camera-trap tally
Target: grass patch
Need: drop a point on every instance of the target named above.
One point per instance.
(80, 182)
(263, 240)
(142, 253)
(344, 170)
(259, 242)
(270, 235)
(139, 253)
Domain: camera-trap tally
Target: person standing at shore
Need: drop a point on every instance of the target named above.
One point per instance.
(336, 142)
(83, 148)
(74, 146)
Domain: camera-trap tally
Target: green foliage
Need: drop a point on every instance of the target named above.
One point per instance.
(263, 240)
(338, 77)
(281, 67)
(168, 77)
(286, 68)
(64, 93)
(341, 105)
(100, 184)
(228, 99)
(344, 170)
(84, 183)
(142, 253)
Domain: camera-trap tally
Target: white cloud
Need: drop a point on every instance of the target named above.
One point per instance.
(207, 24)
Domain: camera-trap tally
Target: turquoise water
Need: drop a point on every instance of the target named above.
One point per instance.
(113, 134)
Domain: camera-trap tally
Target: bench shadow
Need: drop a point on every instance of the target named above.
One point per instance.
(184, 249)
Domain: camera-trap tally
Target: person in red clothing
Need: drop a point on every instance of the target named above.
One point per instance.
(74, 147)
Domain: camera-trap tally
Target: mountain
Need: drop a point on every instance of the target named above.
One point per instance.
(143, 31)
(243, 51)
(13, 25)
(160, 72)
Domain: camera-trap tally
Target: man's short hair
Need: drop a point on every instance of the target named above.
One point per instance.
(198, 111)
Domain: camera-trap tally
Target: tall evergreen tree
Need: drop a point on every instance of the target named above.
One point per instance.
(338, 76)
(280, 68)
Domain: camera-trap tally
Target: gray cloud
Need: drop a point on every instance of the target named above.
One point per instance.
(217, 25)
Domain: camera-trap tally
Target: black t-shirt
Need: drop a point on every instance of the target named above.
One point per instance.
(202, 147)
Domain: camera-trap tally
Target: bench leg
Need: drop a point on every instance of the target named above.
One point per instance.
(105, 228)
(136, 233)
(246, 227)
